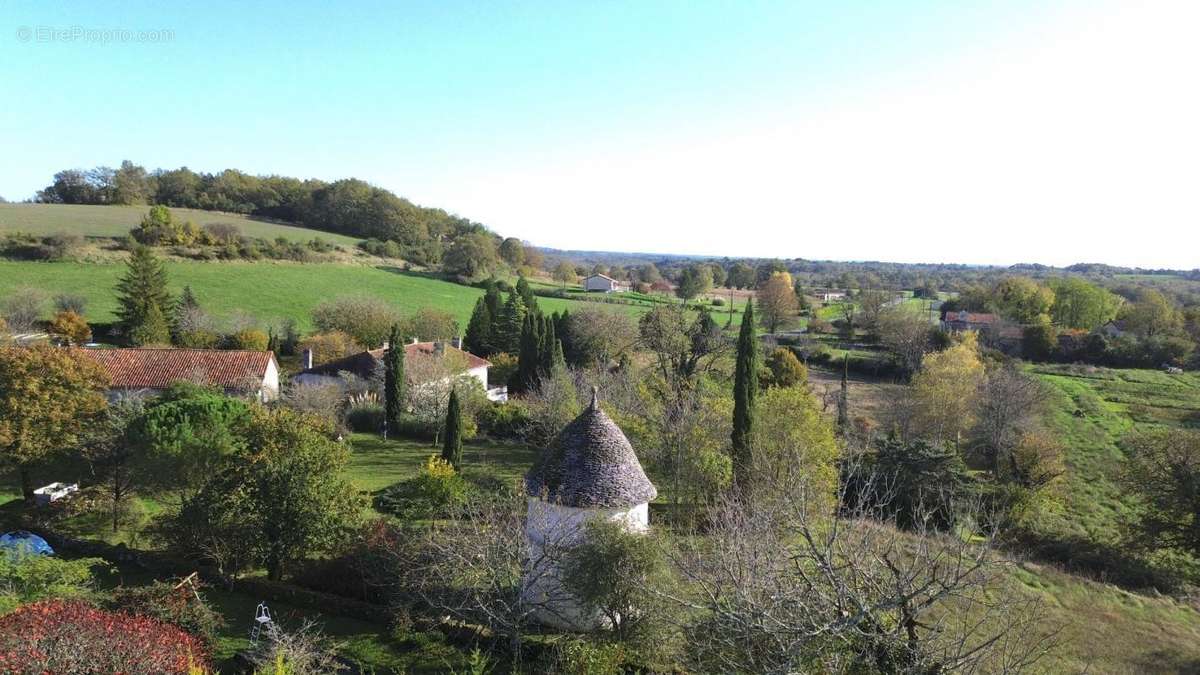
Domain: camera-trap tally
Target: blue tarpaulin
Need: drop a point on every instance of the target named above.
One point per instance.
(24, 542)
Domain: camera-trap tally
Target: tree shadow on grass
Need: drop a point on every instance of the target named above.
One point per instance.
(1105, 563)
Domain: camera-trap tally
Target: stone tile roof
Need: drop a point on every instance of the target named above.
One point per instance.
(158, 368)
(590, 464)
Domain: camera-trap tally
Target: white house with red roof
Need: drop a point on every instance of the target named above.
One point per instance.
(367, 363)
(149, 370)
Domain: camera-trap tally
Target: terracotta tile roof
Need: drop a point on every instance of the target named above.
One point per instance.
(363, 364)
(970, 317)
(157, 368)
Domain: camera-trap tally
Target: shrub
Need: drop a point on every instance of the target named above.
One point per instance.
(436, 492)
(365, 417)
(71, 327)
(503, 367)
(70, 302)
(249, 338)
(503, 420)
(785, 370)
(330, 346)
(31, 577)
(365, 318)
(179, 606)
(70, 636)
(198, 338)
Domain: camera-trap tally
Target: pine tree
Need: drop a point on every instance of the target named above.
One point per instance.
(143, 286)
(507, 331)
(153, 329)
(394, 382)
(745, 391)
(187, 302)
(479, 330)
(452, 442)
(526, 292)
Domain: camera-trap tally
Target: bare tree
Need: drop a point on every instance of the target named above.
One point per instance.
(905, 334)
(780, 588)
(1011, 405)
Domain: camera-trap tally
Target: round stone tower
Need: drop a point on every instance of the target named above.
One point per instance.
(589, 472)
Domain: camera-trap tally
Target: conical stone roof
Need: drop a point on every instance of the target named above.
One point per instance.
(590, 464)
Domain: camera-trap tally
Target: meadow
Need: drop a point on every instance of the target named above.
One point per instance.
(116, 221)
(267, 291)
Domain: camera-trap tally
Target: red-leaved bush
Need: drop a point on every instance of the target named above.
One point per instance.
(69, 636)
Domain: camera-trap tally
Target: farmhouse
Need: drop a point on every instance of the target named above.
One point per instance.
(955, 322)
(147, 371)
(832, 296)
(588, 473)
(369, 363)
(603, 283)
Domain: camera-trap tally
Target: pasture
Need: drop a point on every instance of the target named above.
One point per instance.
(116, 221)
(270, 292)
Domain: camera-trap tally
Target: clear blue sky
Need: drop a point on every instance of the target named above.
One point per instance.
(868, 130)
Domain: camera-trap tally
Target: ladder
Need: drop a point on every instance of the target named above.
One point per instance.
(262, 618)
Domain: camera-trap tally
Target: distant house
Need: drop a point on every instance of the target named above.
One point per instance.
(147, 371)
(832, 296)
(366, 364)
(955, 322)
(1113, 329)
(603, 283)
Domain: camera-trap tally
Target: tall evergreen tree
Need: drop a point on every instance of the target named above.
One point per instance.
(548, 343)
(526, 293)
(452, 441)
(529, 359)
(479, 330)
(394, 383)
(507, 331)
(187, 301)
(143, 286)
(153, 329)
(745, 391)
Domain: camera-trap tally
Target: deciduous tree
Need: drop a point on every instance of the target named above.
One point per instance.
(776, 302)
(48, 398)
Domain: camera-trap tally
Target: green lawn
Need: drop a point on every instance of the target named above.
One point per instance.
(267, 291)
(116, 221)
(376, 463)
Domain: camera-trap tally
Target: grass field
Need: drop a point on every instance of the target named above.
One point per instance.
(116, 221)
(267, 291)
(1092, 410)
(376, 463)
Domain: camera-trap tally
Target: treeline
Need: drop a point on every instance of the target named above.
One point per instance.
(349, 206)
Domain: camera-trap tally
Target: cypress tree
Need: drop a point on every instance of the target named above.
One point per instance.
(745, 391)
(393, 380)
(452, 440)
(479, 330)
(548, 343)
(529, 356)
(143, 286)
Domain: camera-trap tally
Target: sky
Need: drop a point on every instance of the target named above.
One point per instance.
(1047, 131)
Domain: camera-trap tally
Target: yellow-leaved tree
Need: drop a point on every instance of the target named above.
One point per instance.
(48, 398)
(945, 391)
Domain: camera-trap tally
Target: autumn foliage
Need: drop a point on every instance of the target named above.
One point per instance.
(68, 636)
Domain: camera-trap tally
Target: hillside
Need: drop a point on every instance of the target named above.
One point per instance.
(267, 291)
(116, 221)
